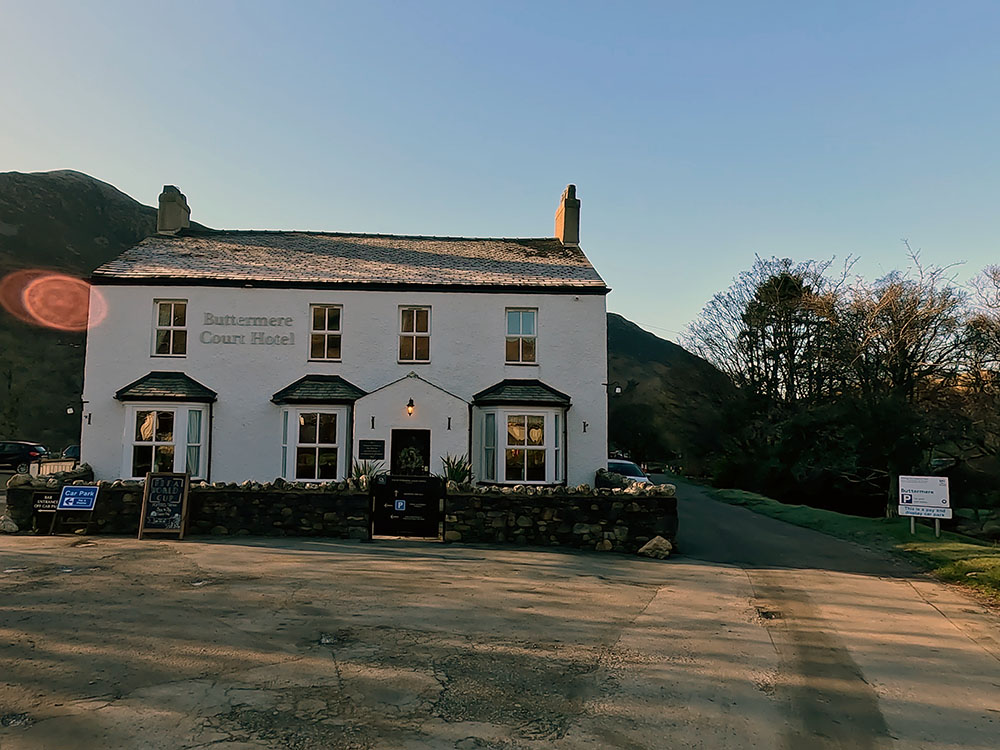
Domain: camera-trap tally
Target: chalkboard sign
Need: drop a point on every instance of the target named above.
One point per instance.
(164, 504)
(371, 450)
(44, 502)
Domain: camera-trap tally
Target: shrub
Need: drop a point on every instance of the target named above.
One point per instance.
(457, 468)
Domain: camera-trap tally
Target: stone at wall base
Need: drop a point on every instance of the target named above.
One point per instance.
(657, 547)
(7, 525)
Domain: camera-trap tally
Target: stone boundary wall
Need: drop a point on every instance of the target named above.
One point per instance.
(595, 520)
(579, 517)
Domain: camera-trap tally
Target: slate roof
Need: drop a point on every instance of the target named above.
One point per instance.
(311, 259)
(166, 386)
(318, 389)
(518, 392)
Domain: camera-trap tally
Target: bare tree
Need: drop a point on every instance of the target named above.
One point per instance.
(767, 331)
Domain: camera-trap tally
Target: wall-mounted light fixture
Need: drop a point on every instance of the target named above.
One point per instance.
(409, 407)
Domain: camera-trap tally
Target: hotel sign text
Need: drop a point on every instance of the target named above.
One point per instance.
(249, 337)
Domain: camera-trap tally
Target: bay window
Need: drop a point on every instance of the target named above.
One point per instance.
(165, 438)
(313, 440)
(520, 445)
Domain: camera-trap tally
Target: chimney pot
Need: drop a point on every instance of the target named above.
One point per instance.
(568, 217)
(173, 213)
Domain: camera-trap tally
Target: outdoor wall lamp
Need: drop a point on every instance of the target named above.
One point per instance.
(409, 407)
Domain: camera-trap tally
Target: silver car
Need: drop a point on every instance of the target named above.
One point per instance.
(628, 470)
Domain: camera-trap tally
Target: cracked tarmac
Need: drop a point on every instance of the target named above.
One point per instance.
(306, 644)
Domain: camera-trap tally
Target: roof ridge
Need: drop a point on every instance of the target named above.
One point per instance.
(322, 233)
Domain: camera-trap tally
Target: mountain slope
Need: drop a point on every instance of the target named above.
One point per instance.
(671, 403)
(66, 220)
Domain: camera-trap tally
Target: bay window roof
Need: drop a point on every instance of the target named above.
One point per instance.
(318, 389)
(166, 386)
(521, 393)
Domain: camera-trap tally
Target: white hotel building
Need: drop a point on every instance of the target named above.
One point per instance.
(236, 355)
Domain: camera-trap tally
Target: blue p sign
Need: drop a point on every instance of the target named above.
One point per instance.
(400, 505)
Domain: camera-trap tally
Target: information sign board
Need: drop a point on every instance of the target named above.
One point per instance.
(164, 504)
(407, 505)
(371, 450)
(77, 498)
(924, 497)
(44, 502)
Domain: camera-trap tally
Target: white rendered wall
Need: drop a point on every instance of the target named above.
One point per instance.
(467, 355)
(445, 415)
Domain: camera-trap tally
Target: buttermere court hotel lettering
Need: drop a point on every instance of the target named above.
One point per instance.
(250, 321)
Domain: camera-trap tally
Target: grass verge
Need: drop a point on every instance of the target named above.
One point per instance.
(953, 557)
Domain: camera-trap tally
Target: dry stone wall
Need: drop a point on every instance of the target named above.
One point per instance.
(580, 517)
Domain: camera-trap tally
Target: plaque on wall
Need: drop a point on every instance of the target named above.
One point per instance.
(371, 450)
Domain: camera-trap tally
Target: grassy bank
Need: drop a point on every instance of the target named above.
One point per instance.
(953, 557)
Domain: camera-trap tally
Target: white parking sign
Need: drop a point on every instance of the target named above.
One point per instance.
(924, 497)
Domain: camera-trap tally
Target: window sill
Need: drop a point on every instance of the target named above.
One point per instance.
(413, 361)
(521, 364)
(525, 484)
(330, 361)
(169, 356)
(313, 481)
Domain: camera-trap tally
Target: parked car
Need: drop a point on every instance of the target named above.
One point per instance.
(72, 451)
(18, 454)
(629, 470)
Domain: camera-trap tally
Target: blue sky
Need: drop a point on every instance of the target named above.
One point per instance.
(698, 133)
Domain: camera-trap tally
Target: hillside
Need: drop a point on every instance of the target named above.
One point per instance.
(66, 220)
(70, 222)
(671, 403)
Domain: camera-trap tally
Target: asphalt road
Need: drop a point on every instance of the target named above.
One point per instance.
(870, 654)
(761, 635)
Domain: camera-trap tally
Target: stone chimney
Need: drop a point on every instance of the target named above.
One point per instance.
(568, 217)
(174, 213)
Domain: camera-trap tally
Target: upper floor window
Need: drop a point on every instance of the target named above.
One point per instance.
(324, 341)
(521, 333)
(170, 330)
(414, 334)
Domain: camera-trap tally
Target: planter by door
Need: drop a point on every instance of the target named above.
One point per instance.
(410, 453)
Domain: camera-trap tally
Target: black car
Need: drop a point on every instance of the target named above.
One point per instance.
(17, 455)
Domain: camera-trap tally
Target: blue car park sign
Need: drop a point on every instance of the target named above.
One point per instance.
(77, 498)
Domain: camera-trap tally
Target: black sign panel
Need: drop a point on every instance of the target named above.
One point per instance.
(44, 502)
(164, 504)
(406, 506)
(371, 450)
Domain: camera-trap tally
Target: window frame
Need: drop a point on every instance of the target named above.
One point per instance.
(520, 336)
(413, 335)
(170, 327)
(554, 445)
(181, 444)
(289, 435)
(327, 332)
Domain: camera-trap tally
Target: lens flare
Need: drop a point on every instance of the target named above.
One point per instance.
(52, 300)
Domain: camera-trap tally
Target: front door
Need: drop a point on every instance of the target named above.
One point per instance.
(410, 453)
